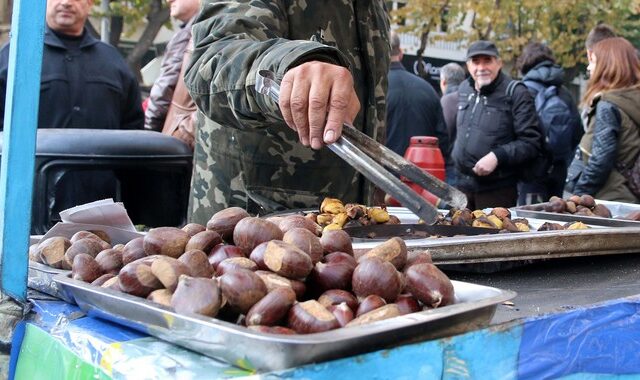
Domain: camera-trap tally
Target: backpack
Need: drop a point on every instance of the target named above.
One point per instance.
(539, 169)
(556, 119)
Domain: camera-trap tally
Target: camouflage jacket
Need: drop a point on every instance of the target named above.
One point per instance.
(245, 155)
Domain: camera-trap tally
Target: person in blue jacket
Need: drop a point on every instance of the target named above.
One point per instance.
(85, 83)
(413, 107)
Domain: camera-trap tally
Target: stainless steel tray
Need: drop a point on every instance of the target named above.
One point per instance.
(618, 210)
(474, 308)
(525, 245)
(598, 240)
(41, 278)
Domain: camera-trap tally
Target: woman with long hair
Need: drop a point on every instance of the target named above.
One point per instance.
(612, 138)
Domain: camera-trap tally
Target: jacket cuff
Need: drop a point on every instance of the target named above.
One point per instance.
(501, 154)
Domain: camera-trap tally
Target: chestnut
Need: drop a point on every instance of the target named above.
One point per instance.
(52, 252)
(196, 295)
(102, 279)
(338, 296)
(242, 289)
(234, 263)
(203, 241)
(331, 276)
(601, 211)
(417, 257)
(311, 317)
(257, 255)
(393, 250)
(251, 231)
(408, 304)
(85, 268)
(112, 284)
(137, 279)
(89, 246)
(385, 312)
(110, 260)
(287, 260)
(34, 255)
(306, 241)
(273, 281)
(587, 200)
(197, 262)
(340, 257)
(429, 285)
(86, 234)
(161, 296)
(167, 241)
(342, 312)
(299, 221)
(102, 235)
(336, 241)
(224, 222)
(376, 276)
(193, 228)
(501, 212)
(133, 251)
(272, 308)
(575, 199)
(221, 252)
(167, 270)
(370, 302)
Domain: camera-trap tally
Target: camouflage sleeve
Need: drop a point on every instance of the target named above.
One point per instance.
(233, 40)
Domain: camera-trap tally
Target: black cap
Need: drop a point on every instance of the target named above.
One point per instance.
(482, 48)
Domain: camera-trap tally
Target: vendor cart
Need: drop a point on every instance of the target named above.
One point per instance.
(575, 317)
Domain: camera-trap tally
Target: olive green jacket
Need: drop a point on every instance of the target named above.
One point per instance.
(627, 130)
(245, 155)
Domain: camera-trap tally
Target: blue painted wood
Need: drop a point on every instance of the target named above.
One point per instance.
(18, 149)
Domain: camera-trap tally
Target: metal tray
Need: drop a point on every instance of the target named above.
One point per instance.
(525, 245)
(41, 278)
(474, 308)
(618, 210)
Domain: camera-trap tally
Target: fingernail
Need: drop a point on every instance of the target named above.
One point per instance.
(316, 143)
(329, 135)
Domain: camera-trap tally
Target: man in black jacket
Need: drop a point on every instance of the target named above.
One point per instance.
(413, 107)
(497, 132)
(85, 83)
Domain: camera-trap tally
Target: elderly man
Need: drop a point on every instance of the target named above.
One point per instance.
(85, 83)
(497, 131)
(168, 90)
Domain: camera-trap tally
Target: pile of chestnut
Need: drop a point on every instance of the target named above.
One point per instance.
(584, 205)
(282, 275)
(498, 218)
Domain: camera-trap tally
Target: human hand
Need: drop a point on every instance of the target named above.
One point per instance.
(486, 165)
(316, 98)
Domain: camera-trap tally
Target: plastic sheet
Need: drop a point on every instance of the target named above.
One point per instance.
(61, 342)
(603, 339)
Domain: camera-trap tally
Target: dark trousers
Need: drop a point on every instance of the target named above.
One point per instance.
(502, 197)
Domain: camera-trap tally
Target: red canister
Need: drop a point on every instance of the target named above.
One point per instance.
(424, 152)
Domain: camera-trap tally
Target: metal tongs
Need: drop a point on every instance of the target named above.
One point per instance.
(369, 158)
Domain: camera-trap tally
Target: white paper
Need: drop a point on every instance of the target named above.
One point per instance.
(104, 212)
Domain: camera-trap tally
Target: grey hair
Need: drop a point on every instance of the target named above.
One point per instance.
(395, 44)
(453, 73)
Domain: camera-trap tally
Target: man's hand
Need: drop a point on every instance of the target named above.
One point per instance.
(316, 98)
(486, 165)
